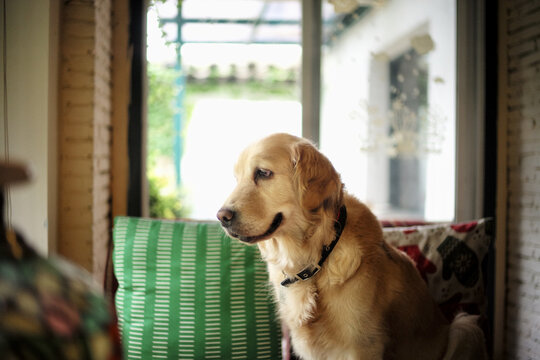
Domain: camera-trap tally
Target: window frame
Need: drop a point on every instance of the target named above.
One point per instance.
(470, 90)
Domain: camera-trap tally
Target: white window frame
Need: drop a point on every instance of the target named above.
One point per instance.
(470, 98)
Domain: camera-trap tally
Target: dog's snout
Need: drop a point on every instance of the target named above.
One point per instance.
(225, 216)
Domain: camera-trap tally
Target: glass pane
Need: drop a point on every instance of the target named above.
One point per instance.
(234, 78)
(388, 104)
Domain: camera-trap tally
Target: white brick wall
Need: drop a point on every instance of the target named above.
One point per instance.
(84, 127)
(523, 176)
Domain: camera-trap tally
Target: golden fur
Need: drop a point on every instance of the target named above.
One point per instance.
(368, 300)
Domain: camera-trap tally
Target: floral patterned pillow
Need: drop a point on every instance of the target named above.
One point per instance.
(451, 259)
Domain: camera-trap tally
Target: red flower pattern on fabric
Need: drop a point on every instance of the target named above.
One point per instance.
(464, 227)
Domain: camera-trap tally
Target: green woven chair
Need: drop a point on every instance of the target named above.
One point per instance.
(186, 290)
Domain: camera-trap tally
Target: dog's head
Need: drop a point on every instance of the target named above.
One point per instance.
(283, 184)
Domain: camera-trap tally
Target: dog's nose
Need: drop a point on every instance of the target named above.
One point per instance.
(225, 216)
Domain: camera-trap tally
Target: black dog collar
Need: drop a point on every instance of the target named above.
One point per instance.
(312, 269)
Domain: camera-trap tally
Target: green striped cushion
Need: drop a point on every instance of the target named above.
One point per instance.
(186, 290)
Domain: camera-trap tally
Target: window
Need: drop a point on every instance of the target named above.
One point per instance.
(236, 65)
(388, 96)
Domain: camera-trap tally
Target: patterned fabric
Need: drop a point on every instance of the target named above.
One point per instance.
(50, 309)
(450, 259)
(187, 291)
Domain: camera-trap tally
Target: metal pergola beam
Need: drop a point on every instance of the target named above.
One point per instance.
(258, 21)
(345, 21)
(276, 42)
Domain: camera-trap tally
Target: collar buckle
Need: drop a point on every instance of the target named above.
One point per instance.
(308, 272)
(303, 275)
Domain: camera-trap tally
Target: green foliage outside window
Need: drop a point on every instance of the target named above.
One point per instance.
(162, 93)
(167, 200)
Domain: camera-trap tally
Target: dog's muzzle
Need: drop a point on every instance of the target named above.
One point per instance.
(227, 219)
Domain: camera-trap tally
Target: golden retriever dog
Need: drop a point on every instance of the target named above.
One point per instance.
(342, 292)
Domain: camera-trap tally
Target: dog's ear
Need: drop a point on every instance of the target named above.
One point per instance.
(317, 181)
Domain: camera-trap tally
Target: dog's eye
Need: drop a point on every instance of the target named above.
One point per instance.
(262, 174)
